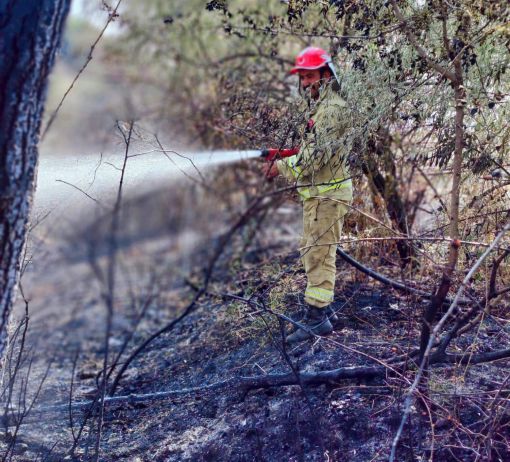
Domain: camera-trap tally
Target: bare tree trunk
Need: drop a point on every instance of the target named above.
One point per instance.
(453, 254)
(30, 32)
(386, 186)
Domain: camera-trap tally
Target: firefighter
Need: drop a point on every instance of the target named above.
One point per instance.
(322, 179)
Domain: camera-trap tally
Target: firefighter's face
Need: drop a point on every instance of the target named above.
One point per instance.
(310, 80)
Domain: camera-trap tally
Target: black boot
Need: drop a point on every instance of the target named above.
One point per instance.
(317, 323)
(332, 314)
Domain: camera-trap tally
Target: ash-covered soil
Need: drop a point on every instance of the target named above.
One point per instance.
(465, 414)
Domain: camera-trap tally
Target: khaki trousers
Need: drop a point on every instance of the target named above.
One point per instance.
(322, 226)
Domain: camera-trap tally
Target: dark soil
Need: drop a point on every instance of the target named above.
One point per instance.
(223, 338)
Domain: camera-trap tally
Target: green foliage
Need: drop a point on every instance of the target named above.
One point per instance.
(224, 66)
(222, 72)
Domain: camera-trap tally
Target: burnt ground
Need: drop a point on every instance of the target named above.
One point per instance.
(352, 420)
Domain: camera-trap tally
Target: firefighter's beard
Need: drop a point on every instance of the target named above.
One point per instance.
(311, 92)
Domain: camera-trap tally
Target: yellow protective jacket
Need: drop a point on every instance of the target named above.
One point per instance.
(319, 169)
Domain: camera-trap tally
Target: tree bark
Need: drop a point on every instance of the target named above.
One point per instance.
(387, 187)
(453, 254)
(30, 32)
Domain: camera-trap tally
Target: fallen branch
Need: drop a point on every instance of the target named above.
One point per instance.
(390, 282)
(240, 384)
(245, 384)
(379, 277)
(466, 358)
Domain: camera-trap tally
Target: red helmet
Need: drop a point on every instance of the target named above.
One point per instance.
(311, 58)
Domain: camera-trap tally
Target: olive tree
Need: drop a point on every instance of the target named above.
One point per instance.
(426, 83)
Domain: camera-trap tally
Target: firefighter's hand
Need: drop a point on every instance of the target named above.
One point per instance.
(270, 170)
